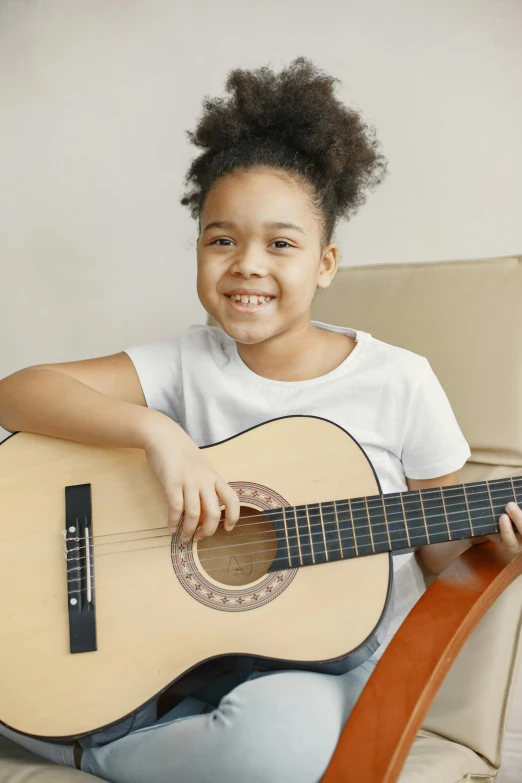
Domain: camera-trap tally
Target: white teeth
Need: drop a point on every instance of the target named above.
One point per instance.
(250, 300)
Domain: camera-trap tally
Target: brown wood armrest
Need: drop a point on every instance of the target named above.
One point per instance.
(377, 737)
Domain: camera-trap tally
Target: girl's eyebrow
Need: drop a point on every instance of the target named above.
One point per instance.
(268, 224)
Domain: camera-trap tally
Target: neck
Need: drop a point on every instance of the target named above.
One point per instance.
(281, 357)
(340, 529)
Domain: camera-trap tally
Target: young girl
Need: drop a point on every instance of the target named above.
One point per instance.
(283, 160)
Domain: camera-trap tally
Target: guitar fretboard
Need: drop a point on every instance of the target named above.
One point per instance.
(339, 529)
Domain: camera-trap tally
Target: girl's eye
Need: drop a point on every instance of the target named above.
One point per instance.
(221, 239)
(276, 241)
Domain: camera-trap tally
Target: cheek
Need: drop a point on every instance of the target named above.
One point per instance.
(205, 280)
(298, 287)
(203, 291)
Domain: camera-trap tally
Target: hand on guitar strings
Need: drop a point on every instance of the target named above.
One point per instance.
(510, 537)
(191, 484)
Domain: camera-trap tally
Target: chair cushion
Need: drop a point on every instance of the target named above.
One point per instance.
(431, 760)
(18, 765)
(434, 759)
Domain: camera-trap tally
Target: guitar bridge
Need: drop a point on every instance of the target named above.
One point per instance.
(80, 568)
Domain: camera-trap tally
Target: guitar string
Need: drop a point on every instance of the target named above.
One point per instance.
(290, 566)
(312, 516)
(356, 541)
(256, 562)
(328, 506)
(291, 519)
(317, 525)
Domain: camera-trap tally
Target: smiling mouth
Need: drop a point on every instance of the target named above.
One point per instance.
(252, 304)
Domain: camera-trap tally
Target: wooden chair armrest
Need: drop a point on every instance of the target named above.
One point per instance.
(377, 737)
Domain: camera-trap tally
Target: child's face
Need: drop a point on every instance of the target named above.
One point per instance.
(283, 263)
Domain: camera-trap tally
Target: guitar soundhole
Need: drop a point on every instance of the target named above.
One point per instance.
(229, 570)
(242, 555)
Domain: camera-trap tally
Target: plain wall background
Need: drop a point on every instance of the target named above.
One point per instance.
(96, 252)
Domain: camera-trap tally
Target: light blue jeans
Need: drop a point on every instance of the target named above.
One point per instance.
(279, 727)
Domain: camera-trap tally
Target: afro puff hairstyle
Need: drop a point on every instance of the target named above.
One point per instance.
(292, 122)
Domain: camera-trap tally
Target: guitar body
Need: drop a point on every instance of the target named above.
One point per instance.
(163, 608)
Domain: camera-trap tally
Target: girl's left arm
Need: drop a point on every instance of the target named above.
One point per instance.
(437, 557)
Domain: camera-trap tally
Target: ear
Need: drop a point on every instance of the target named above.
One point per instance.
(328, 266)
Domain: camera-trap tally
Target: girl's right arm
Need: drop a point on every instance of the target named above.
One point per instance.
(101, 402)
(96, 401)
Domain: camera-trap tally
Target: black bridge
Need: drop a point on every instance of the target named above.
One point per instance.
(80, 568)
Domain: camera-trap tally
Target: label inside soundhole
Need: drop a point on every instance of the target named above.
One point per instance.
(242, 555)
(229, 570)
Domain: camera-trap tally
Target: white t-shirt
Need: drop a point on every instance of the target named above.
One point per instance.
(387, 398)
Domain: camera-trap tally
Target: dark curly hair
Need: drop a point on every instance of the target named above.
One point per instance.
(291, 121)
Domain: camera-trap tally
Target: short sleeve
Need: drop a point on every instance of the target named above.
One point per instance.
(158, 365)
(433, 443)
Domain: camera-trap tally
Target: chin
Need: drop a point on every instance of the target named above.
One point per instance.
(243, 334)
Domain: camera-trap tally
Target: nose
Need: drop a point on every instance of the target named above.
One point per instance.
(248, 263)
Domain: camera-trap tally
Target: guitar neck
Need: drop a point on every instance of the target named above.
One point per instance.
(340, 529)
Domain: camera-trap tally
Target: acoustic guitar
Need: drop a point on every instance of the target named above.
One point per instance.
(102, 610)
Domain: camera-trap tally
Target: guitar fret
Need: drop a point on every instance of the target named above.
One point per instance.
(405, 522)
(297, 535)
(362, 526)
(457, 513)
(480, 508)
(338, 530)
(291, 546)
(386, 521)
(503, 495)
(467, 506)
(424, 516)
(369, 525)
(353, 528)
(434, 515)
(345, 527)
(417, 532)
(322, 527)
(396, 528)
(310, 534)
(490, 500)
(377, 521)
(331, 531)
(286, 534)
(318, 541)
(303, 538)
(445, 512)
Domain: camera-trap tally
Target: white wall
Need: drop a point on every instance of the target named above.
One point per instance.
(96, 253)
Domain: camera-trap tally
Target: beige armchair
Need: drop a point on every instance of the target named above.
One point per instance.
(466, 317)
